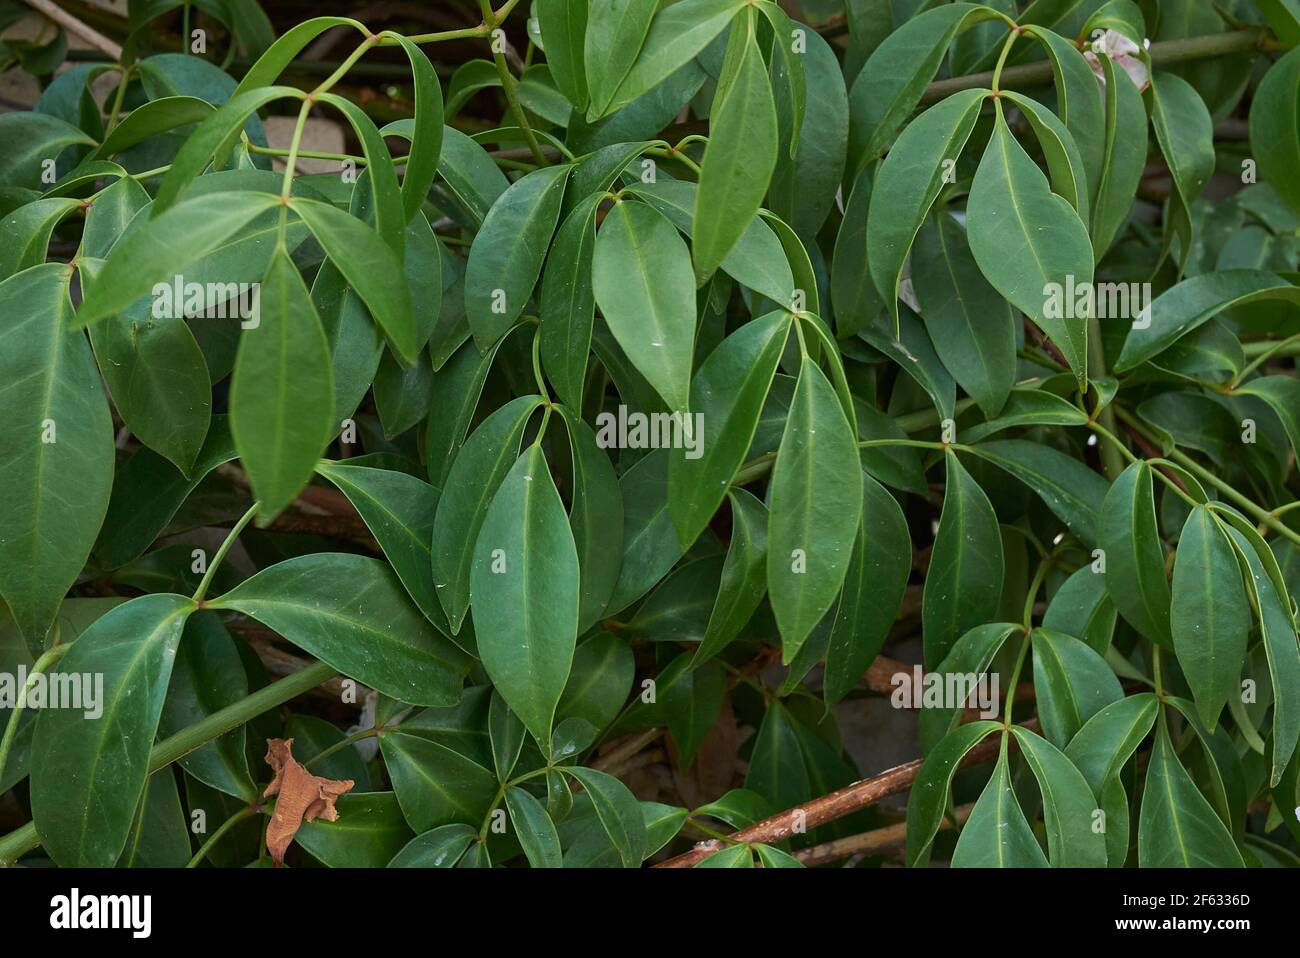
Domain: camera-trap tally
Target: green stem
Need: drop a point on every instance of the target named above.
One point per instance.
(1002, 57)
(338, 746)
(217, 559)
(246, 812)
(1015, 678)
(23, 839)
(119, 96)
(48, 658)
(1287, 347)
(492, 21)
(1273, 349)
(1111, 463)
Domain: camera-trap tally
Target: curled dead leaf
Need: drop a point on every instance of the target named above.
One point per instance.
(302, 797)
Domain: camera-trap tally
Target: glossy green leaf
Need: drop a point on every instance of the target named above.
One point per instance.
(475, 474)
(741, 153)
(618, 811)
(1068, 804)
(440, 847)
(997, 835)
(744, 576)
(971, 326)
(1135, 559)
(352, 612)
(1071, 682)
(1073, 492)
(815, 500)
(1210, 615)
(1029, 242)
(1178, 828)
(964, 581)
(568, 304)
(86, 788)
(727, 397)
(368, 833)
(873, 591)
(524, 587)
(908, 182)
(434, 784)
(56, 456)
(282, 422)
(928, 800)
(641, 274)
(616, 31)
(506, 257)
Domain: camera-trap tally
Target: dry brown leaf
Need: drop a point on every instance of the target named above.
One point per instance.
(302, 797)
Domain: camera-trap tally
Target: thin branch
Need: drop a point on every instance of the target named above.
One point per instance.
(836, 805)
(70, 23)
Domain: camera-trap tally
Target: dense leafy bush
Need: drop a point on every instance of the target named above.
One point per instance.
(616, 415)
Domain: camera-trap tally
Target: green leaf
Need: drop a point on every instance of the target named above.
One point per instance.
(86, 789)
(398, 510)
(1184, 307)
(148, 492)
(1135, 559)
(371, 268)
(972, 654)
(741, 153)
(1123, 158)
(873, 591)
(282, 421)
(893, 80)
(641, 274)
(1275, 128)
(928, 800)
(1029, 241)
(855, 301)
(1073, 492)
(1078, 103)
(1064, 164)
(369, 831)
(1282, 393)
(1081, 604)
(212, 138)
(56, 452)
(563, 25)
(1107, 740)
(1068, 804)
(1072, 684)
(618, 810)
(1210, 615)
(733, 856)
(744, 576)
(507, 735)
(1269, 596)
(568, 304)
(524, 588)
(677, 34)
(971, 326)
(208, 675)
(996, 835)
(34, 138)
(1185, 133)
(1178, 828)
(475, 474)
(596, 517)
(434, 784)
(964, 581)
(426, 140)
(506, 257)
(616, 30)
(161, 248)
(149, 119)
(909, 181)
(776, 766)
(440, 847)
(28, 229)
(815, 498)
(156, 375)
(534, 828)
(352, 612)
(770, 857)
(727, 398)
